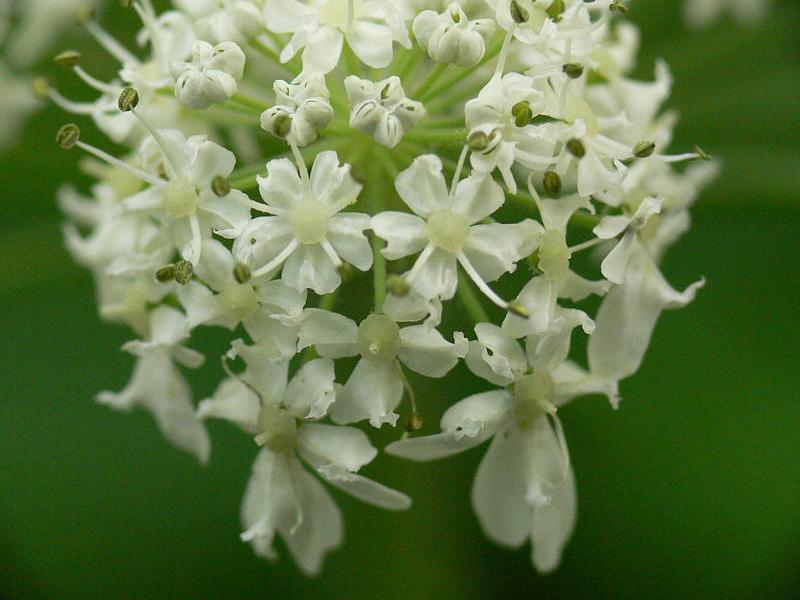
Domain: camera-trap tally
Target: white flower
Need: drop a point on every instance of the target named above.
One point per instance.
(225, 20)
(524, 487)
(265, 308)
(501, 115)
(305, 104)
(186, 202)
(211, 77)
(306, 234)
(283, 497)
(381, 109)
(158, 385)
(451, 37)
(447, 230)
(702, 13)
(320, 28)
(375, 387)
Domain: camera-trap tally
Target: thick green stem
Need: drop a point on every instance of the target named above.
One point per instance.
(376, 190)
(421, 93)
(250, 102)
(448, 83)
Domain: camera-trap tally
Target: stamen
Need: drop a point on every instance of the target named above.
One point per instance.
(301, 163)
(501, 61)
(587, 244)
(100, 86)
(420, 262)
(197, 238)
(112, 46)
(326, 245)
(278, 260)
(546, 221)
(149, 21)
(105, 156)
(479, 282)
(76, 108)
(457, 173)
(128, 101)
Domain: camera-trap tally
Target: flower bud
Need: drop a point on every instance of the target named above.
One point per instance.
(183, 271)
(277, 121)
(211, 77)
(450, 37)
(68, 136)
(381, 109)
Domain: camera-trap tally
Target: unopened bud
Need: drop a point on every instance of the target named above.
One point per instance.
(573, 70)
(576, 148)
(128, 99)
(519, 309)
(166, 273)
(183, 271)
(518, 13)
(644, 149)
(552, 183)
(68, 59)
(242, 273)
(220, 186)
(282, 125)
(522, 113)
(398, 285)
(68, 136)
(414, 422)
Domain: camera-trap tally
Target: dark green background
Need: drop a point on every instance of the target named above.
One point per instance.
(691, 489)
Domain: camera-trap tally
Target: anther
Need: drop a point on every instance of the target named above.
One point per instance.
(184, 270)
(517, 308)
(41, 87)
(518, 13)
(522, 113)
(220, 186)
(556, 9)
(68, 136)
(619, 7)
(644, 149)
(414, 422)
(166, 273)
(242, 273)
(576, 148)
(573, 70)
(552, 183)
(68, 59)
(128, 99)
(702, 154)
(397, 285)
(478, 141)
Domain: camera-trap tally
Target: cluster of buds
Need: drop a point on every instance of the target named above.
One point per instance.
(279, 152)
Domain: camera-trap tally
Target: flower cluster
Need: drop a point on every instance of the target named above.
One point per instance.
(454, 152)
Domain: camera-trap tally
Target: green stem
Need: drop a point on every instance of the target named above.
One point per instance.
(470, 300)
(249, 102)
(268, 52)
(375, 191)
(421, 93)
(438, 136)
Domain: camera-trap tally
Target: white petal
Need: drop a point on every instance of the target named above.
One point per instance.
(281, 187)
(207, 160)
(438, 277)
(346, 235)
(498, 492)
(234, 402)
(405, 234)
(346, 447)
(553, 523)
(371, 43)
(627, 316)
(499, 351)
(615, 263)
(309, 267)
(158, 386)
(332, 334)
(310, 392)
(370, 491)
(216, 265)
(372, 392)
(424, 350)
(477, 197)
(422, 186)
(494, 249)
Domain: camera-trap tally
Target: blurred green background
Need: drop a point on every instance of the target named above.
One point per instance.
(691, 489)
